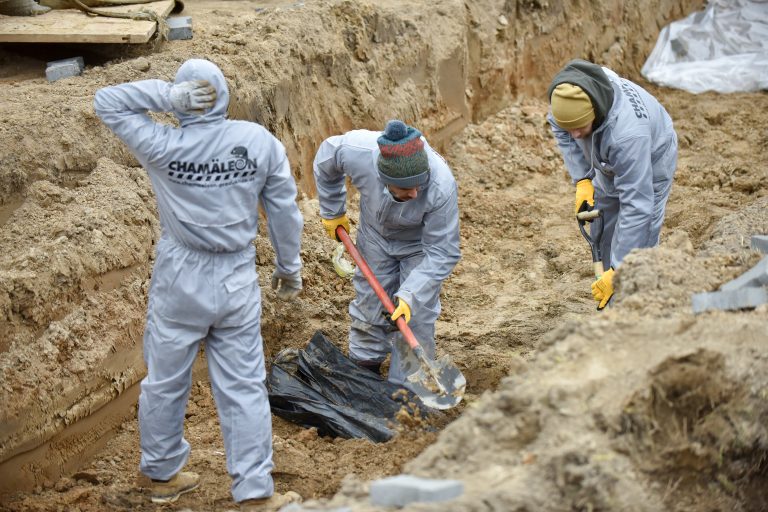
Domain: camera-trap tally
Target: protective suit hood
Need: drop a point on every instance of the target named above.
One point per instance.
(200, 69)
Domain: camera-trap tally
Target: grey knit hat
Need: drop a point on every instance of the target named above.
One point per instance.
(402, 161)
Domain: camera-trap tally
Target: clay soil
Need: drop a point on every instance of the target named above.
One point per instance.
(643, 406)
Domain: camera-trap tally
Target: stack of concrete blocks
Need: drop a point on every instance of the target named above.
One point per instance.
(65, 68)
(179, 27)
(399, 491)
(749, 290)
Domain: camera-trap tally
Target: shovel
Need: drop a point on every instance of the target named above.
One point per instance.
(439, 384)
(594, 237)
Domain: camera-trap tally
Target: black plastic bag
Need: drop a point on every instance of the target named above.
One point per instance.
(320, 387)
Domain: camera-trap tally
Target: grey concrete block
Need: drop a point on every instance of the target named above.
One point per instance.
(398, 491)
(179, 27)
(295, 507)
(760, 243)
(72, 60)
(742, 298)
(58, 69)
(756, 276)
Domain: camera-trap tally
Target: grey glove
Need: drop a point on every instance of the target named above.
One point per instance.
(192, 97)
(288, 286)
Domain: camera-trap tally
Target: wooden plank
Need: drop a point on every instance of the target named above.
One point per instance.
(75, 26)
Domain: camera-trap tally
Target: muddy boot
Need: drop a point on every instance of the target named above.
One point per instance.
(373, 366)
(167, 492)
(271, 504)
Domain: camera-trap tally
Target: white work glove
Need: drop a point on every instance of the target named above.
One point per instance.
(192, 97)
(288, 286)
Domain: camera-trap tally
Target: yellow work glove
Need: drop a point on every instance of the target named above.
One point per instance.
(585, 192)
(330, 225)
(602, 289)
(402, 309)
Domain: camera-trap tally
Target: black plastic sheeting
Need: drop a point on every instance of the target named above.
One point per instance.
(320, 387)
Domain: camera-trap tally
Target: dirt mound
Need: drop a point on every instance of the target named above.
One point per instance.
(673, 426)
(616, 415)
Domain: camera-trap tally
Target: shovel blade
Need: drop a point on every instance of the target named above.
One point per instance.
(439, 384)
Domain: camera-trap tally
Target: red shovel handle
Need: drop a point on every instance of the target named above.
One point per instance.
(371, 278)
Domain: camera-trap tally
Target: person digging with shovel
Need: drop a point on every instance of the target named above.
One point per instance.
(620, 149)
(408, 233)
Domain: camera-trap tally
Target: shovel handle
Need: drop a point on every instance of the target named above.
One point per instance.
(598, 267)
(342, 234)
(588, 215)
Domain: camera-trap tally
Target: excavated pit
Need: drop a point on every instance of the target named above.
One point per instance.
(592, 412)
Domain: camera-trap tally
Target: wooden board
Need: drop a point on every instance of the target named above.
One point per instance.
(75, 26)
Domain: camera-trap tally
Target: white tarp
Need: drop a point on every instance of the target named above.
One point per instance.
(723, 48)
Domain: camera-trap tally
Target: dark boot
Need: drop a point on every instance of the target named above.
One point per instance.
(374, 366)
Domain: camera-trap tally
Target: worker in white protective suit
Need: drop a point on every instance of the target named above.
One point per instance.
(408, 233)
(209, 176)
(620, 149)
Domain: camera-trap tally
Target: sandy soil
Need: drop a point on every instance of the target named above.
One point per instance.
(641, 407)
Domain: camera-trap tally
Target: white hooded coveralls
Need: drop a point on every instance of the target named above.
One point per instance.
(411, 246)
(631, 159)
(209, 177)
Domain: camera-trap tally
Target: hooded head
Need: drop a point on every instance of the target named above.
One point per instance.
(571, 107)
(577, 88)
(402, 161)
(200, 69)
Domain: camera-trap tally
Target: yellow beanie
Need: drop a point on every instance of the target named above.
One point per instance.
(571, 107)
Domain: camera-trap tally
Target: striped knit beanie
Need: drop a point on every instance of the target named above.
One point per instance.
(402, 161)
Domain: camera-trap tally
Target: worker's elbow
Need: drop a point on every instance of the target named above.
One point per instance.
(99, 103)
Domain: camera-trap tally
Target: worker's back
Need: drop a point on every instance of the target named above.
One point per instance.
(210, 173)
